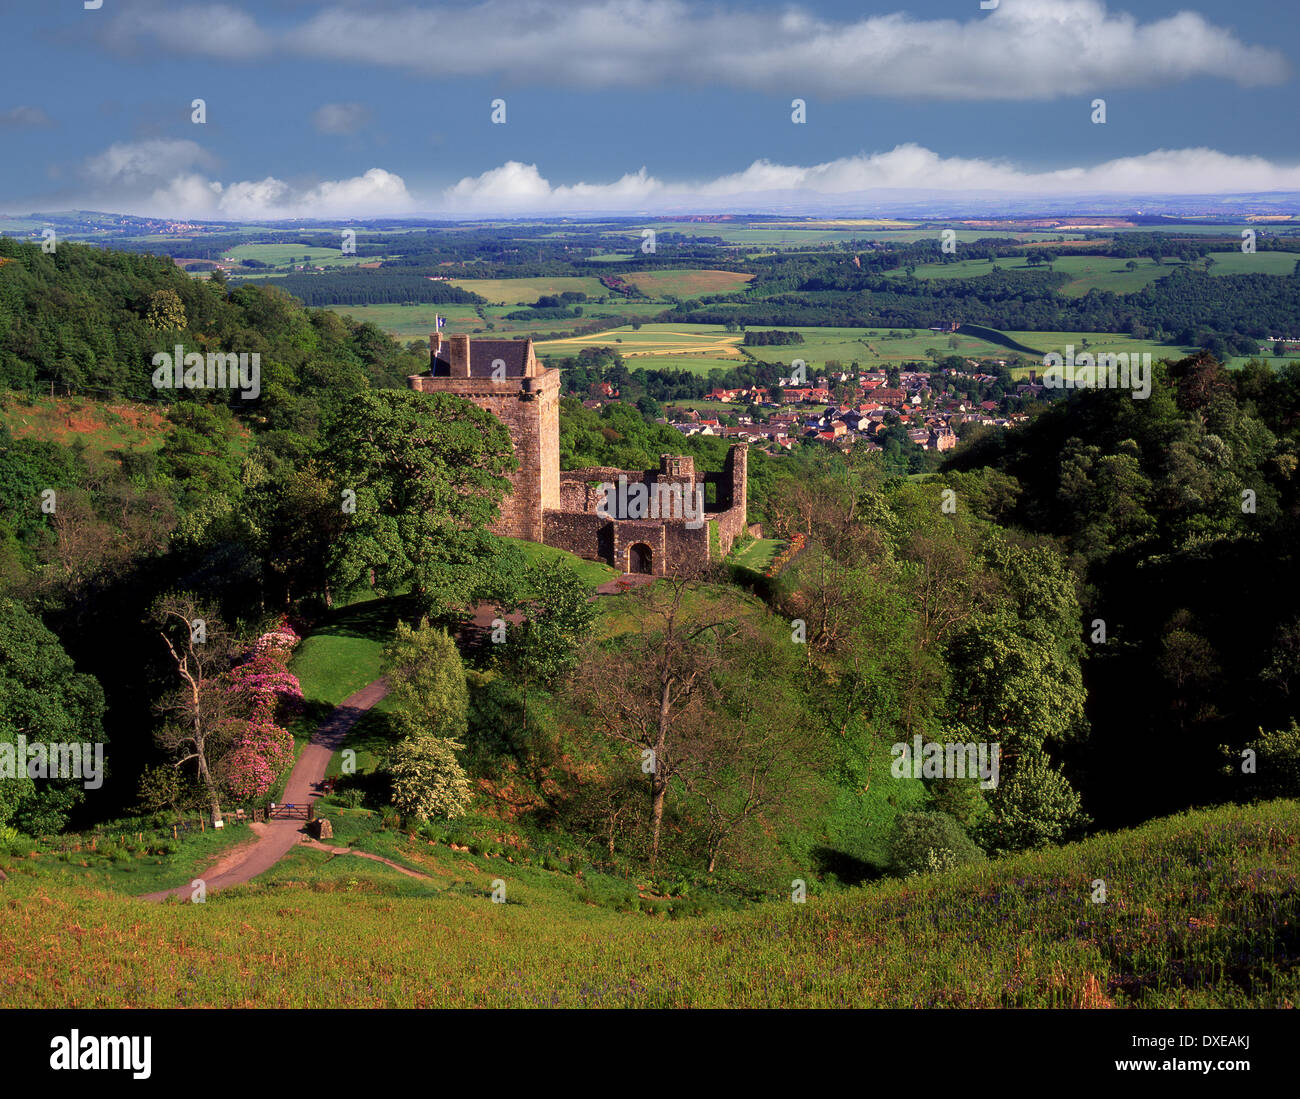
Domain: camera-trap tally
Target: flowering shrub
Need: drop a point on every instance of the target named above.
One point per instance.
(262, 750)
(267, 684)
(282, 640)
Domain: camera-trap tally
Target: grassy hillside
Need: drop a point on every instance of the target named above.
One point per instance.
(1200, 911)
(102, 425)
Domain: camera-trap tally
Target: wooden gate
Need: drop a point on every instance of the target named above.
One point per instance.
(292, 812)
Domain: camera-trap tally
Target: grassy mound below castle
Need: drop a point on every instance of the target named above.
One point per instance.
(1200, 910)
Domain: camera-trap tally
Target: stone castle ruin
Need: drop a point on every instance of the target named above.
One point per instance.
(661, 521)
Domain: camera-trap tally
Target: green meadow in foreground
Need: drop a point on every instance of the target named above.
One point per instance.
(1200, 910)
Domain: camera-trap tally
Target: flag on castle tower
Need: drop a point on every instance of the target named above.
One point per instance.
(440, 321)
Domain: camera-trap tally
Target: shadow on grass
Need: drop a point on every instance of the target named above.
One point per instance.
(744, 577)
(849, 869)
(374, 620)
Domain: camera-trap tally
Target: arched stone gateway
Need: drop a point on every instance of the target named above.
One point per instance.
(639, 558)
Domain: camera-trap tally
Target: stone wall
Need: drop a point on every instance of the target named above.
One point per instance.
(584, 534)
(530, 409)
(559, 508)
(731, 509)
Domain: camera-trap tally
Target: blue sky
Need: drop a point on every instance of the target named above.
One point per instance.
(354, 108)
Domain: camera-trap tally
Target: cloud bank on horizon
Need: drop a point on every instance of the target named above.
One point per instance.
(163, 178)
(1020, 50)
(955, 107)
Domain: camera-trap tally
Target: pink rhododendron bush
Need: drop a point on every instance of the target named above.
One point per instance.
(262, 749)
(268, 685)
(283, 639)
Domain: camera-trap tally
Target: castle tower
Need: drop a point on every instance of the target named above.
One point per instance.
(505, 378)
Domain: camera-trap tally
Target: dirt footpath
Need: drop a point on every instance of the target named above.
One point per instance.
(277, 838)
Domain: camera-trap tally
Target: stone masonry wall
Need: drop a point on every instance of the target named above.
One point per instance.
(530, 409)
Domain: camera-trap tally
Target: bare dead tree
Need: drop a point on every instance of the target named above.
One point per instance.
(654, 691)
(198, 712)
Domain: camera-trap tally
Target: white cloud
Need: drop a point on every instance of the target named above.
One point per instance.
(24, 117)
(376, 192)
(1022, 50)
(218, 30)
(159, 178)
(340, 118)
(131, 165)
(163, 178)
(904, 172)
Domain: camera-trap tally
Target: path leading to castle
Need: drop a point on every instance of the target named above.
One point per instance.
(277, 838)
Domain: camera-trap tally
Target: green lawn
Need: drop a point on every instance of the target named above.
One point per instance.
(757, 554)
(344, 654)
(124, 859)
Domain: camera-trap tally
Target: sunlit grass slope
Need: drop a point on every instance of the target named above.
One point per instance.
(1200, 910)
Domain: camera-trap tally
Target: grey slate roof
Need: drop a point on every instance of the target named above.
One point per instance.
(482, 353)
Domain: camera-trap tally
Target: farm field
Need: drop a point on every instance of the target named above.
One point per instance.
(739, 235)
(691, 363)
(1238, 262)
(415, 322)
(279, 255)
(527, 291)
(846, 223)
(706, 340)
(362, 934)
(687, 283)
(1236, 362)
(701, 348)
(1108, 273)
(888, 347)
(1086, 272)
(1097, 342)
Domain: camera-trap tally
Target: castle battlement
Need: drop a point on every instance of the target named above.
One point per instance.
(558, 509)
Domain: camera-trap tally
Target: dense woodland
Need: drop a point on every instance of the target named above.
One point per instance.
(977, 623)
